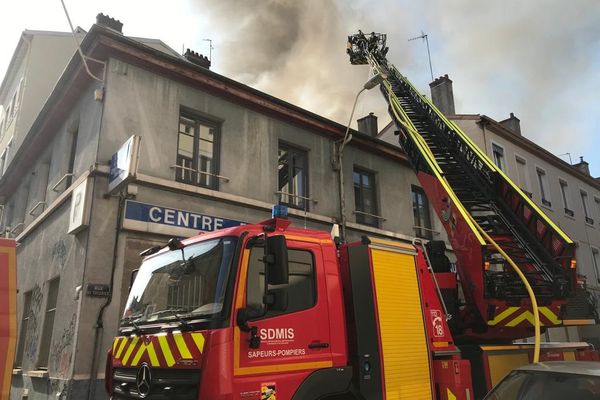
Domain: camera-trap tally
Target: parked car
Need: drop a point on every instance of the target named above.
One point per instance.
(557, 380)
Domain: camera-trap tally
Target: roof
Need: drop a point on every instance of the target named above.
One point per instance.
(536, 149)
(565, 367)
(103, 43)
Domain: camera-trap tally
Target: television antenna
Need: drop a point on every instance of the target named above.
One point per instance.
(424, 37)
(210, 48)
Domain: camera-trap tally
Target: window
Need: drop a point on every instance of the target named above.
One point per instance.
(421, 213)
(2, 119)
(197, 151)
(48, 323)
(597, 201)
(365, 197)
(596, 262)
(292, 176)
(544, 192)
(301, 287)
(522, 174)
(24, 328)
(584, 203)
(2, 162)
(72, 154)
(498, 153)
(6, 154)
(564, 190)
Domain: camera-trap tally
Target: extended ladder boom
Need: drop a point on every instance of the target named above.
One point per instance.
(470, 193)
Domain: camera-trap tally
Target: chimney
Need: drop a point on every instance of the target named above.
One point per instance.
(109, 22)
(442, 94)
(582, 166)
(368, 125)
(513, 124)
(197, 59)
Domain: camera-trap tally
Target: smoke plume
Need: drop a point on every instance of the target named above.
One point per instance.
(538, 59)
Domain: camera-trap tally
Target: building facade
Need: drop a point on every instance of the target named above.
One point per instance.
(213, 153)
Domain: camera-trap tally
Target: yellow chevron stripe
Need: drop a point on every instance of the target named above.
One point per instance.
(115, 343)
(122, 347)
(183, 349)
(151, 354)
(166, 350)
(553, 318)
(199, 340)
(130, 349)
(503, 315)
(525, 316)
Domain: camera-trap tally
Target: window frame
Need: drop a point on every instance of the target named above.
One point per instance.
(43, 356)
(596, 261)
(211, 123)
(502, 154)
(566, 195)
(585, 206)
(419, 229)
(525, 186)
(544, 186)
(272, 314)
(23, 328)
(362, 215)
(305, 198)
(7, 154)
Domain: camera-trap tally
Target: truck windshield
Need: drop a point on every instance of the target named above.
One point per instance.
(181, 284)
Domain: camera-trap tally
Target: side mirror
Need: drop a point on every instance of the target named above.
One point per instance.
(277, 299)
(276, 259)
(132, 278)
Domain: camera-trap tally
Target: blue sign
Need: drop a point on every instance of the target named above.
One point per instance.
(143, 216)
(123, 164)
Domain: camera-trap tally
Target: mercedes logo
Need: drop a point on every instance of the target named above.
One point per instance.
(143, 380)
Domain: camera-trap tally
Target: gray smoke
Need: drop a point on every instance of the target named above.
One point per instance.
(294, 50)
(538, 59)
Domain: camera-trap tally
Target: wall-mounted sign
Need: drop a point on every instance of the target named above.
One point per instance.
(170, 221)
(79, 217)
(124, 163)
(98, 290)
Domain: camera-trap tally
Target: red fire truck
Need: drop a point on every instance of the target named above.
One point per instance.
(270, 311)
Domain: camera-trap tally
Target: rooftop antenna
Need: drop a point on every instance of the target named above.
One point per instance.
(424, 37)
(210, 48)
(567, 154)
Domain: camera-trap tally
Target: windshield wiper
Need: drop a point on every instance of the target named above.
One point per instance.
(131, 320)
(173, 313)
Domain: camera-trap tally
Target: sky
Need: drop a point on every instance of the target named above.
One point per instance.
(539, 59)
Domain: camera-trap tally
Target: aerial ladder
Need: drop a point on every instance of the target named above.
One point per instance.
(515, 266)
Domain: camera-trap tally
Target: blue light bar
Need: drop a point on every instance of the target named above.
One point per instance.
(280, 211)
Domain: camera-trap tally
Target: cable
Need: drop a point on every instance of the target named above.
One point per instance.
(83, 57)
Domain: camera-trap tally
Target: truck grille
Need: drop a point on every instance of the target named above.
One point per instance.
(167, 384)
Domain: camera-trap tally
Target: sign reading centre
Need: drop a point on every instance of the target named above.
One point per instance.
(170, 221)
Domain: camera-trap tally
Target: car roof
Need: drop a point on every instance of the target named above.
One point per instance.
(567, 367)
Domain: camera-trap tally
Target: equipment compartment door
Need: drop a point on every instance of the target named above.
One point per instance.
(293, 343)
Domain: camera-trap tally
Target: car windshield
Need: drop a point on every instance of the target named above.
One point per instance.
(181, 284)
(536, 385)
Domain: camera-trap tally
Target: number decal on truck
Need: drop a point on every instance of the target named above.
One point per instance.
(436, 321)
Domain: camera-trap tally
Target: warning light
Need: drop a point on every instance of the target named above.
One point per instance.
(280, 211)
(573, 264)
(486, 265)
